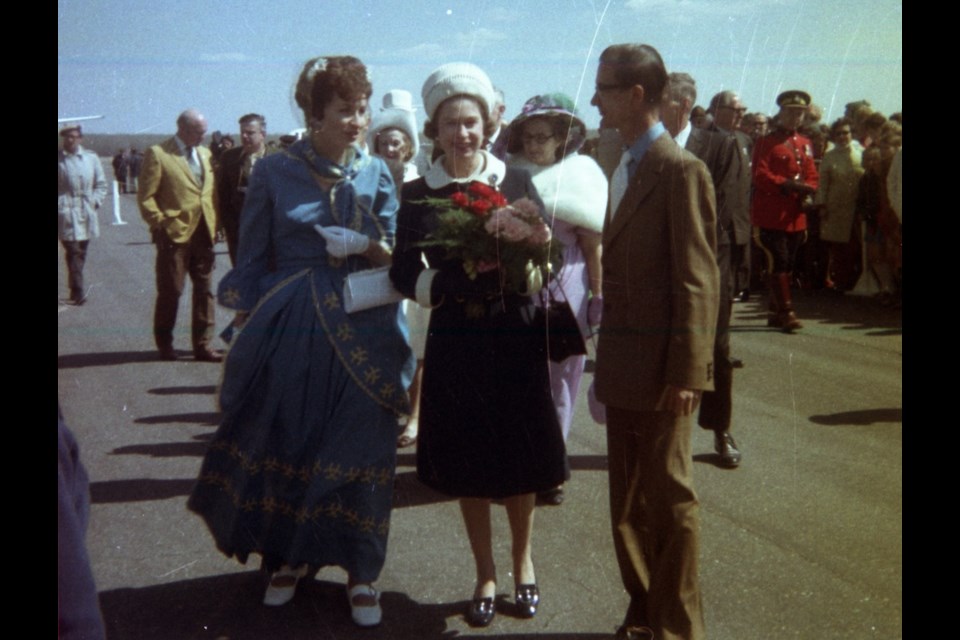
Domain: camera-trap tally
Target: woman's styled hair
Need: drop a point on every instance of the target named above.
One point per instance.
(323, 78)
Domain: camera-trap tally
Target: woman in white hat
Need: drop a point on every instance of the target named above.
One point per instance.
(488, 427)
(393, 137)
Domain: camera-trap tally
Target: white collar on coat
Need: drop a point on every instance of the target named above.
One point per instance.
(492, 168)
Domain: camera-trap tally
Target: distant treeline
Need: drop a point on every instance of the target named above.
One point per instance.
(107, 144)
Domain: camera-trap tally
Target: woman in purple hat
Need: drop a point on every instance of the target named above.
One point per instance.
(543, 140)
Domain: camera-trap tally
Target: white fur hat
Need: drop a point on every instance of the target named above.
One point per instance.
(457, 79)
(396, 113)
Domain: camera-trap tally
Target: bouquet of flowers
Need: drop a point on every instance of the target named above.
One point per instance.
(480, 228)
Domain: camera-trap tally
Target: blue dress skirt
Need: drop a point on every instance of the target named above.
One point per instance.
(301, 468)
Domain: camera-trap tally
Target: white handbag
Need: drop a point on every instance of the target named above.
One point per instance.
(369, 288)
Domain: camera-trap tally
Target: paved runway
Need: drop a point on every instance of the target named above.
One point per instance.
(804, 540)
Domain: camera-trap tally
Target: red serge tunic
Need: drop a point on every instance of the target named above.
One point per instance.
(778, 158)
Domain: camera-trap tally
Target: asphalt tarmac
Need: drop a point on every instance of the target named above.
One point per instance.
(803, 540)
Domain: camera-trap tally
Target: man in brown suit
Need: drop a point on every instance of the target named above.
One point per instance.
(719, 152)
(176, 201)
(655, 355)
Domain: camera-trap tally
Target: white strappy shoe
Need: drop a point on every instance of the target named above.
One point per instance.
(283, 584)
(366, 615)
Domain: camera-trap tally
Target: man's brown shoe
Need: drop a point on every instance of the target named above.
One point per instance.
(206, 354)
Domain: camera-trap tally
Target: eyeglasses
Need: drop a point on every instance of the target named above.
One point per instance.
(539, 139)
(740, 110)
(611, 86)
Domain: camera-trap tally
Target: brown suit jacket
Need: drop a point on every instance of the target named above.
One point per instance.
(169, 196)
(660, 282)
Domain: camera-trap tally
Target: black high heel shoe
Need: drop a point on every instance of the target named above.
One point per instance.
(481, 611)
(528, 599)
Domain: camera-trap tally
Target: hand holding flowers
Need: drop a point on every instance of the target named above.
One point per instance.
(482, 230)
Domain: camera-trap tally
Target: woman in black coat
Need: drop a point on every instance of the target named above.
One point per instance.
(488, 426)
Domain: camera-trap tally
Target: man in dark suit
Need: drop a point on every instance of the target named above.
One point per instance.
(719, 153)
(655, 354)
(176, 202)
(727, 112)
(233, 173)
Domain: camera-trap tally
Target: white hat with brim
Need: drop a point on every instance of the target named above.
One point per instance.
(457, 79)
(397, 113)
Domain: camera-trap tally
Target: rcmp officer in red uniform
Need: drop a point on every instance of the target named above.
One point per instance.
(784, 181)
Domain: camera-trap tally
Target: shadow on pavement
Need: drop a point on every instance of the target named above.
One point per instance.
(211, 418)
(228, 607)
(860, 417)
(176, 391)
(851, 312)
(408, 491)
(164, 450)
(80, 360)
(138, 490)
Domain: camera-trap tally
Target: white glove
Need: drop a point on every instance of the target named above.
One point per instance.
(343, 242)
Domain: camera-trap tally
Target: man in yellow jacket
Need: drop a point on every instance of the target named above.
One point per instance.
(176, 198)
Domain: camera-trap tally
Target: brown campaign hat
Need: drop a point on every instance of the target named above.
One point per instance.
(794, 98)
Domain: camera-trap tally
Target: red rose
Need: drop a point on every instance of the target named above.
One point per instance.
(460, 199)
(481, 190)
(498, 200)
(481, 207)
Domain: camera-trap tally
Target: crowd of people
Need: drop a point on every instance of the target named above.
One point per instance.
(323, 382)
(853, 217)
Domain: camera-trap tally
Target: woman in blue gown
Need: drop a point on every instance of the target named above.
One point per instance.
(301, 469)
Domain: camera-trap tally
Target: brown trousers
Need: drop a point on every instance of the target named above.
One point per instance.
(174, 261)
(656, 522)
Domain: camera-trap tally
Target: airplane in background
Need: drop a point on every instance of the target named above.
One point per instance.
(78, 119)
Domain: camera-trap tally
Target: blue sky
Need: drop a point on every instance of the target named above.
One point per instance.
(141, 63)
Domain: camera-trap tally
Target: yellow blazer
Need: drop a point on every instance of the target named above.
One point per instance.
(661, 284)
(170, 197)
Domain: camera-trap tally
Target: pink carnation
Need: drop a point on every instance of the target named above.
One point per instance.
(504, 222)
(540, 233)
(527, 208)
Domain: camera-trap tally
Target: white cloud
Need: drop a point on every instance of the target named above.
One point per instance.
(479, 37)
